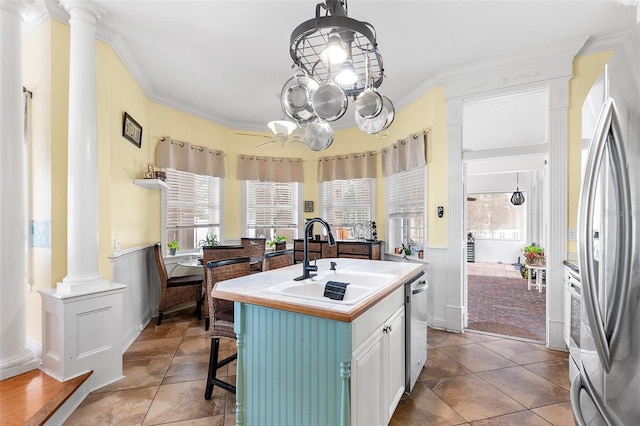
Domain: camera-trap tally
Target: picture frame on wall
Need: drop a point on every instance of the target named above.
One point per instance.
(131, 130)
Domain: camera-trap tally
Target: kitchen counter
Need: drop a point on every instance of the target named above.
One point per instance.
(307, 360)
(255, 288)
(573, 265)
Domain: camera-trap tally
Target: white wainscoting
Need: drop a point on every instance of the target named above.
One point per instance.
(136, 269)
(437, 293)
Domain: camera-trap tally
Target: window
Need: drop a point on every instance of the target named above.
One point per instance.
(347, 203)
(493, 217)
(271, 208)
(193, 207)
(405, 208)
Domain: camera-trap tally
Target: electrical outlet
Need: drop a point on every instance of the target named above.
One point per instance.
(116, 245)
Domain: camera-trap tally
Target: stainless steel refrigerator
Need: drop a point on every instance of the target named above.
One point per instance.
(607, 389)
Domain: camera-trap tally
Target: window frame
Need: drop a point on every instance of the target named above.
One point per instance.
(298, 212)
(523, 212)
(164, 198)
(372, 202)
(391, 243)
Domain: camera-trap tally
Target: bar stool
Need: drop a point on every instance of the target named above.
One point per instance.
(221, 318)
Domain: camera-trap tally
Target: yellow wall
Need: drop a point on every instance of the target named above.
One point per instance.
(37, 79)
(585, 71)
(125, 210)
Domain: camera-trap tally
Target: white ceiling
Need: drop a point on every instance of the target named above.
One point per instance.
(226, 60)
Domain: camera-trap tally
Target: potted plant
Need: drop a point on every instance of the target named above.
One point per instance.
(209, 240)
(173, 247)
(279, 242)
(534, 255)
(405, 250)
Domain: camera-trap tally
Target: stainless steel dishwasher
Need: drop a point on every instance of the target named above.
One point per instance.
(416, 329)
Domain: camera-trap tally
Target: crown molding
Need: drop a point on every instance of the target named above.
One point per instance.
(542, 64)
(602, 44)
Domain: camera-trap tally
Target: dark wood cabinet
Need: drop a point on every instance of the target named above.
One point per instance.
(371, 250)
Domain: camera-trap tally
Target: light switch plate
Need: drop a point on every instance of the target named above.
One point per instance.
(308, 206)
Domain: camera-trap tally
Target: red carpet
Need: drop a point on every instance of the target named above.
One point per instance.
(504, 306)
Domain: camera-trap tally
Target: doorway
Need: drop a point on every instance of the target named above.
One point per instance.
(497, 163)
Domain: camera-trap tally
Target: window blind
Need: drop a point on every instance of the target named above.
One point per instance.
(193, 201)
(405, 193)
(347, 202)
(271, 204)
(405, 208)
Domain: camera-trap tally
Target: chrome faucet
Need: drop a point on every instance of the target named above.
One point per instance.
(306, 267)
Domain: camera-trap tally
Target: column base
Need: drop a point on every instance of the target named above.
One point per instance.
(82, 284)
(24, 362)
(82, 332)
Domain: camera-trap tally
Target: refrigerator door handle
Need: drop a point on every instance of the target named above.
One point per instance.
(582, 381)
(605, 334)
(620, 293)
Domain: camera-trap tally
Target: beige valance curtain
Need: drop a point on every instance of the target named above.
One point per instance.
(190, 158)
(404, 155)
(270, 169)
(348, 166)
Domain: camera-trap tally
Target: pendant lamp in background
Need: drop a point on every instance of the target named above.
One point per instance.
(517, 199)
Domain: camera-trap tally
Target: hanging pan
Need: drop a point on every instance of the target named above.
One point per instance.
(318, 135)
(378, 123)
(369, 102)
(296, 96)
(330, 100)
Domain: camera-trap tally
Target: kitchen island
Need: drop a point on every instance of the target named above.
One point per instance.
(305, 359)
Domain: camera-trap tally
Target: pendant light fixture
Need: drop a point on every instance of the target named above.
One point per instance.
(332, 47)
(322, 44)
(517, 199)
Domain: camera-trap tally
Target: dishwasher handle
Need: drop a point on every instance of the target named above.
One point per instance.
(420, 287)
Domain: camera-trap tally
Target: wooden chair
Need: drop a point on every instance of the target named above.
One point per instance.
(277, 259)
(213, 253)
(254, 248)
(221, 315)
(177, 290)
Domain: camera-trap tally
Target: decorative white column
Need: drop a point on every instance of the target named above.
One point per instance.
(82, 319)
(15, 358)
(82, 180)
(456, 255)
(556, 225)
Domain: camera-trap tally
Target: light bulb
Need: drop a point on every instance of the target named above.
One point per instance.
(334, 53)
(347, 75)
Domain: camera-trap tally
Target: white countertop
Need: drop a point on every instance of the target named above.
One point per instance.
(254, 288)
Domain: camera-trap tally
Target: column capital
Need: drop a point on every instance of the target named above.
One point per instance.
(19, 7)
(86, 6)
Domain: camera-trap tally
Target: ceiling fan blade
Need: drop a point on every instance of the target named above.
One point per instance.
(266, 143)
(258, 136)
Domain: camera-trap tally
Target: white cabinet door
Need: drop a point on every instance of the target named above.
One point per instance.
(394, 348)
(367, 382)
(377, 373)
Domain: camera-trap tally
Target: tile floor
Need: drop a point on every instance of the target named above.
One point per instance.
(470, 378)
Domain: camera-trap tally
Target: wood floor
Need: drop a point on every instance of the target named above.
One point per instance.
(31, 398)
